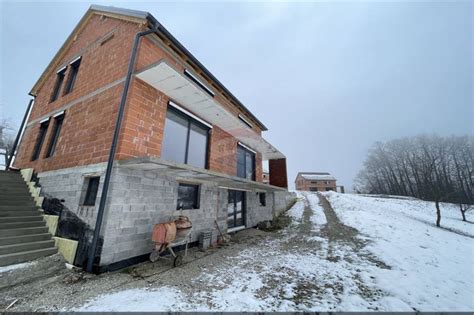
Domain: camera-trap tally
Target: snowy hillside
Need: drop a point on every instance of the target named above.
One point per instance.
(432, 268)
(341, 252)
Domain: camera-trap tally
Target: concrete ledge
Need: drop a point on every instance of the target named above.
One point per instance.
(67, 248)
(51, 222)
(27, 173)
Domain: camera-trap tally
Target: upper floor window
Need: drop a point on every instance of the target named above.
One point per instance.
(245, 162)
(245, 121)
(185, 139)
(40, 139)
(58, 122)
(57, 86)
(72, 76)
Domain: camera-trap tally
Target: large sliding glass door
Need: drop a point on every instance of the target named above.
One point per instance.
(236, 209)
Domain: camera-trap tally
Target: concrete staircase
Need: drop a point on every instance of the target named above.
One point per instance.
(24, 235)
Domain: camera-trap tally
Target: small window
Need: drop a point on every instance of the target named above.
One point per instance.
(263, 199)
(328, 189)
(313, 189)
(40, 140)
(58, 84)
(245, 121)
(91, 193)
(72, 76)
(188, 197)
(58, 122)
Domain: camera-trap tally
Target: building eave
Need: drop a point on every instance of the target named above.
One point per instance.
(140, 17)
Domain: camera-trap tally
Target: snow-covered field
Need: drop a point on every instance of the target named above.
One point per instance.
(432, 268)
(398, 261)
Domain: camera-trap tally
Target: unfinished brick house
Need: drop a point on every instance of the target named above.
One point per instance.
(185, 145)
(315, 181)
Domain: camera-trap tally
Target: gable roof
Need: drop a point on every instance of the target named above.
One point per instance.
(141, 17)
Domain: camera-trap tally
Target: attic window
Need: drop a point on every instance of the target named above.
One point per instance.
(245, 121)
(199, 83)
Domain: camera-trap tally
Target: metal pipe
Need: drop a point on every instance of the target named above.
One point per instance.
(110, 162)
(17, 139)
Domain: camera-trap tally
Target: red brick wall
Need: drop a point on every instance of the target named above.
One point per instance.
(144, 121)
(87, 129)
(319, 185)
(223, 152)
(277, 170)
(88, 126)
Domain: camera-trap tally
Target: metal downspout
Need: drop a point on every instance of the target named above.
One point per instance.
(18, 136)
(110, 162)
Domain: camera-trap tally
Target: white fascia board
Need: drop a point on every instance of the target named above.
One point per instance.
(176, 106)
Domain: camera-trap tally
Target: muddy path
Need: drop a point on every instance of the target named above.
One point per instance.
(336, 231)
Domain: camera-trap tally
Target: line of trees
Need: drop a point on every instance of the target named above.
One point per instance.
(428, 167)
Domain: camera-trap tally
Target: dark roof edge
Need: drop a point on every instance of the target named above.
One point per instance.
(155, 23)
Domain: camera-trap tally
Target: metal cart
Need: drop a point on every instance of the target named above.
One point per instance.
(177, 258)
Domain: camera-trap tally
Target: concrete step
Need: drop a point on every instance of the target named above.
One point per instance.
(20, 257)
(19, 192)
(18, 195)
(36, 218)
(9, 191)
(12, 184)
(23, 247)
(17, 199)
(17, 202)
(14, 225)
(23, 231)
(24, 239)
(30, 213)
(18, 208)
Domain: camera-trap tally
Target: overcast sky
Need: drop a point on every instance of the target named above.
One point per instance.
(327, 78)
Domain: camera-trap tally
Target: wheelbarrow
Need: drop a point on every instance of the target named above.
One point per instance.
(170, 241)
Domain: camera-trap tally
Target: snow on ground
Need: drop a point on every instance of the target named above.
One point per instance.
(16, 266)
(311, 267)
(432, 268)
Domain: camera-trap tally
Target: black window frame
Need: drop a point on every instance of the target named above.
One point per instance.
(190, 120)
(60, 75)
(262, 198)
(58, 122)
(72, 77)
(254, 162)
(40, 140)
(197, 195)
(91, 195)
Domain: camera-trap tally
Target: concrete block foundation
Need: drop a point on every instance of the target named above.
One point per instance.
(139, 199)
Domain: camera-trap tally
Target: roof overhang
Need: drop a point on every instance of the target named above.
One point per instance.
(189, 173)
(192, 97)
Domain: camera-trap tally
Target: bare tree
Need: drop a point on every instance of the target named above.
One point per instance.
(427, 167)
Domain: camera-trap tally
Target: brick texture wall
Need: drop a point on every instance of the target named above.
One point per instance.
(91, 108)
(277, 169)
(315, 185)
